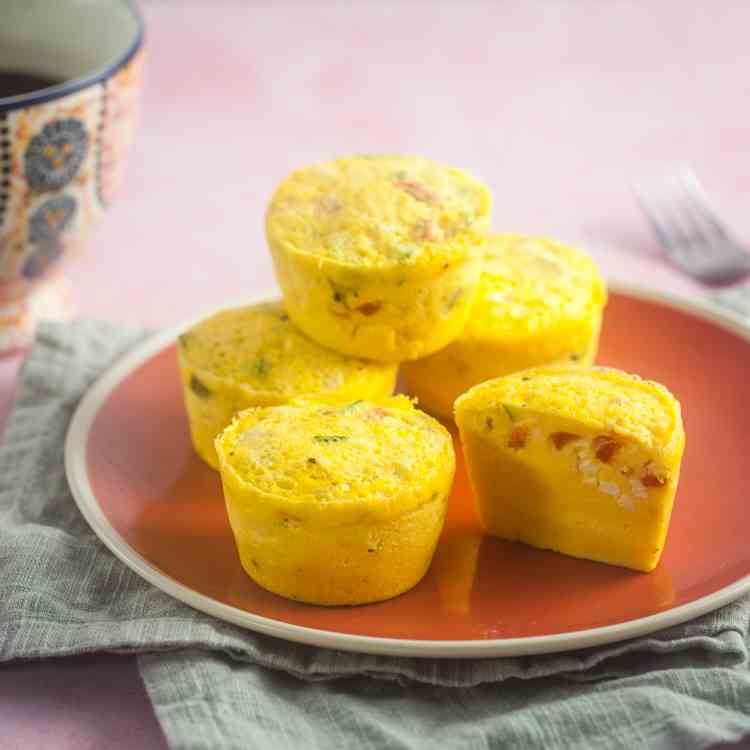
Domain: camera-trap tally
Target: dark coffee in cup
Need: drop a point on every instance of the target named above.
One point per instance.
(17, 82)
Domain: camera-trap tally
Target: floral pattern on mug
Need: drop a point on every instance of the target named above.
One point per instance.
(51, 218)
(54, 155)
(46, 226)
(41, 259)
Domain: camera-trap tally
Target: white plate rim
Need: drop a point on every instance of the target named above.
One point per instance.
(77, 474)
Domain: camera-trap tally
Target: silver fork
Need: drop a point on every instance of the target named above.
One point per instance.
(688, 228)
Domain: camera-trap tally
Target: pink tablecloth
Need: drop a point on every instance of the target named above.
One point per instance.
(556, 105)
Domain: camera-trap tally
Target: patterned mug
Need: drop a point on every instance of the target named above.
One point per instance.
(70, 74)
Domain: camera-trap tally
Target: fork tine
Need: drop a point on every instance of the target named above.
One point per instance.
(661, 202)
(695, 234)
(697, 198)
(680, 214)
(733, 256)
(663, 230)
(689, 229)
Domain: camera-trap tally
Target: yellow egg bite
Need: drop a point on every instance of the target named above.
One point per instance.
(334, 504)
(255, 356)
(379, 256)
(585, 462)
(539, 302)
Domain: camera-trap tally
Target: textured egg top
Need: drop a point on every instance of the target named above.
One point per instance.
(529, 284)
(378, 210)
(259, 346)
(601, 397)
(361, 452)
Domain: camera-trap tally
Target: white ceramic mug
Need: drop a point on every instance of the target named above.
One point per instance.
(62, 143)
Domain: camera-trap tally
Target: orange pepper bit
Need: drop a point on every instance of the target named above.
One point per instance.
(518, 436)
(651, 480)
(426, 230)
(561, 439)
(369, 308)
(605, 447)
(416, 190)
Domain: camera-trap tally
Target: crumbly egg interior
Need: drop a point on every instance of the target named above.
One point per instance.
(608, 400)
(563, 449)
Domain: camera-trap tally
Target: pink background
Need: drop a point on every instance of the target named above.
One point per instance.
(556, 105)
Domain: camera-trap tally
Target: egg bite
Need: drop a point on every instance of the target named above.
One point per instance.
(255, 356)
(582, 461)
(539, 302)
(333, 504)
(379, 256)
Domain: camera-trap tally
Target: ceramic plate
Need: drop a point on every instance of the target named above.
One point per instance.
(160, 510)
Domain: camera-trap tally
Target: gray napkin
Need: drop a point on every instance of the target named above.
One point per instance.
(214, 685)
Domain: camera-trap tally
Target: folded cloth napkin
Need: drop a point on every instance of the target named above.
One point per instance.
(214, 685)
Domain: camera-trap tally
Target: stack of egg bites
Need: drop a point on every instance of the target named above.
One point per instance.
(336, 490)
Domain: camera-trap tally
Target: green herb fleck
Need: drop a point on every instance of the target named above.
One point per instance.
(184, 339)
(330, 438)
(575, 357)
(351, 407)
(454, 299)
(341, 292)
(406, 251)
(198, 388)
(261, 367)
(507, 410)
(467, 218)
